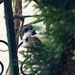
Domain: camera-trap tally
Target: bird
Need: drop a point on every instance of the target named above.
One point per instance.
(28, 39)
(27, 36)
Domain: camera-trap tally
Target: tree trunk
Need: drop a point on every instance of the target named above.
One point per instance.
(16, 10)
(11, 37)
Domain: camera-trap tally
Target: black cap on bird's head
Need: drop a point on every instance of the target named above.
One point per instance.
(27, 28)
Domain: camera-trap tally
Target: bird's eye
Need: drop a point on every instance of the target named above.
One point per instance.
(26, 29)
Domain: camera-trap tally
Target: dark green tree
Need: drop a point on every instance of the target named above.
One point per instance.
(54, 56)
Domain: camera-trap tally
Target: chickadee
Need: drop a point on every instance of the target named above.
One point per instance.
(28, 38)
(27, 32)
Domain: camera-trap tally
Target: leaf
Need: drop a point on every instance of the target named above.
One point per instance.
(73, 58)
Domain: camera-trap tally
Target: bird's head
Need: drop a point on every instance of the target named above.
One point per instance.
(27, 31)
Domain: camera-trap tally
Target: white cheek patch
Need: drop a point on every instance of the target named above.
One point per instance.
(24, 38)
(24, 43)
(26, 35)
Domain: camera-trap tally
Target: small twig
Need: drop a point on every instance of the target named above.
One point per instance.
(36, 21)
(22, 17)
(18, 17)
(30, 16)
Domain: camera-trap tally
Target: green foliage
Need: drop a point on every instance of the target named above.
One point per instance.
(59, 44)
(43, 60)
